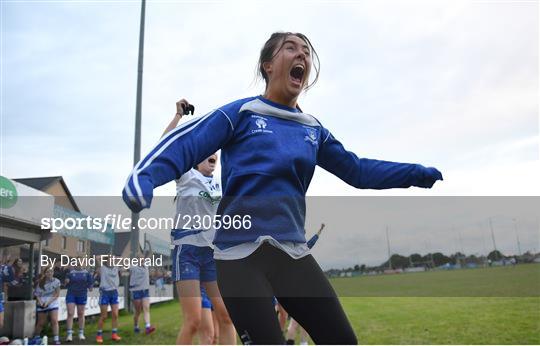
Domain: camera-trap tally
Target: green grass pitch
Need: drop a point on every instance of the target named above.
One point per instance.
(475, 306)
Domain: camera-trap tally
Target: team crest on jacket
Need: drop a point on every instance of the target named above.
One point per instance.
(311, 135)
(261, 124)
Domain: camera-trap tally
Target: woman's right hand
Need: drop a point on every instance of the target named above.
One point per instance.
(181, 107)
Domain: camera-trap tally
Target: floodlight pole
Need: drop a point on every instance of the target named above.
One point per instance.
(517, 237)
(388, 245)
(493, 237)
(134, 239)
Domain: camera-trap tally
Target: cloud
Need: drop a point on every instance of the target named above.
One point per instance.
(453, 84)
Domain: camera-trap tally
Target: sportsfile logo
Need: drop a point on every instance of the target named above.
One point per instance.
(260, 124)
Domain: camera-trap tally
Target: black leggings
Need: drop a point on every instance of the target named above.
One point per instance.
(247, 286)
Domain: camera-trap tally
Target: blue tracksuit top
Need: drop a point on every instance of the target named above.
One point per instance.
(79, 282)
(268, 157)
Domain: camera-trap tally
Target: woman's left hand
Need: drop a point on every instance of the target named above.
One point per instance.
(430, 176)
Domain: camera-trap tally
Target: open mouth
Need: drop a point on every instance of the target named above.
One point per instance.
(297, 74)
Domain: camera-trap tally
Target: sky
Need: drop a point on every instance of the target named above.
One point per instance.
(450, 84)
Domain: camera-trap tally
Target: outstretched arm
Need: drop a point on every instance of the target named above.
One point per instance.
(180, 107)
(313, 240)
(372, 174)
(320, 230)
(178, 151)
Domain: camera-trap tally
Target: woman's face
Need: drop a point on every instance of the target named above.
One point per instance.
(49, 274)
(288, 72)
(208, 166)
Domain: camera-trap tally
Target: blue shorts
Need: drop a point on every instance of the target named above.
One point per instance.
(108, 297)
(78, 300)
(1, 306)
(205, 301)
(140, 294)
(192, 262)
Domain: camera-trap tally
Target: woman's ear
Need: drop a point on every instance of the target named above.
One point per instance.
(267, 66)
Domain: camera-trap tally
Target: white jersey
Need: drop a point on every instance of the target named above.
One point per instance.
(109, 278)
(197, 201)
(295, 250)
(139, 278)
(46, 292)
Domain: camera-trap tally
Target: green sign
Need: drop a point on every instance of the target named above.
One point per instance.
(8, 193)
(103, 234)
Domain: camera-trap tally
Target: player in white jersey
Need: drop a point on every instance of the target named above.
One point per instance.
(108, 295)
(139, 286)
(197, 196)
(47, 292)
